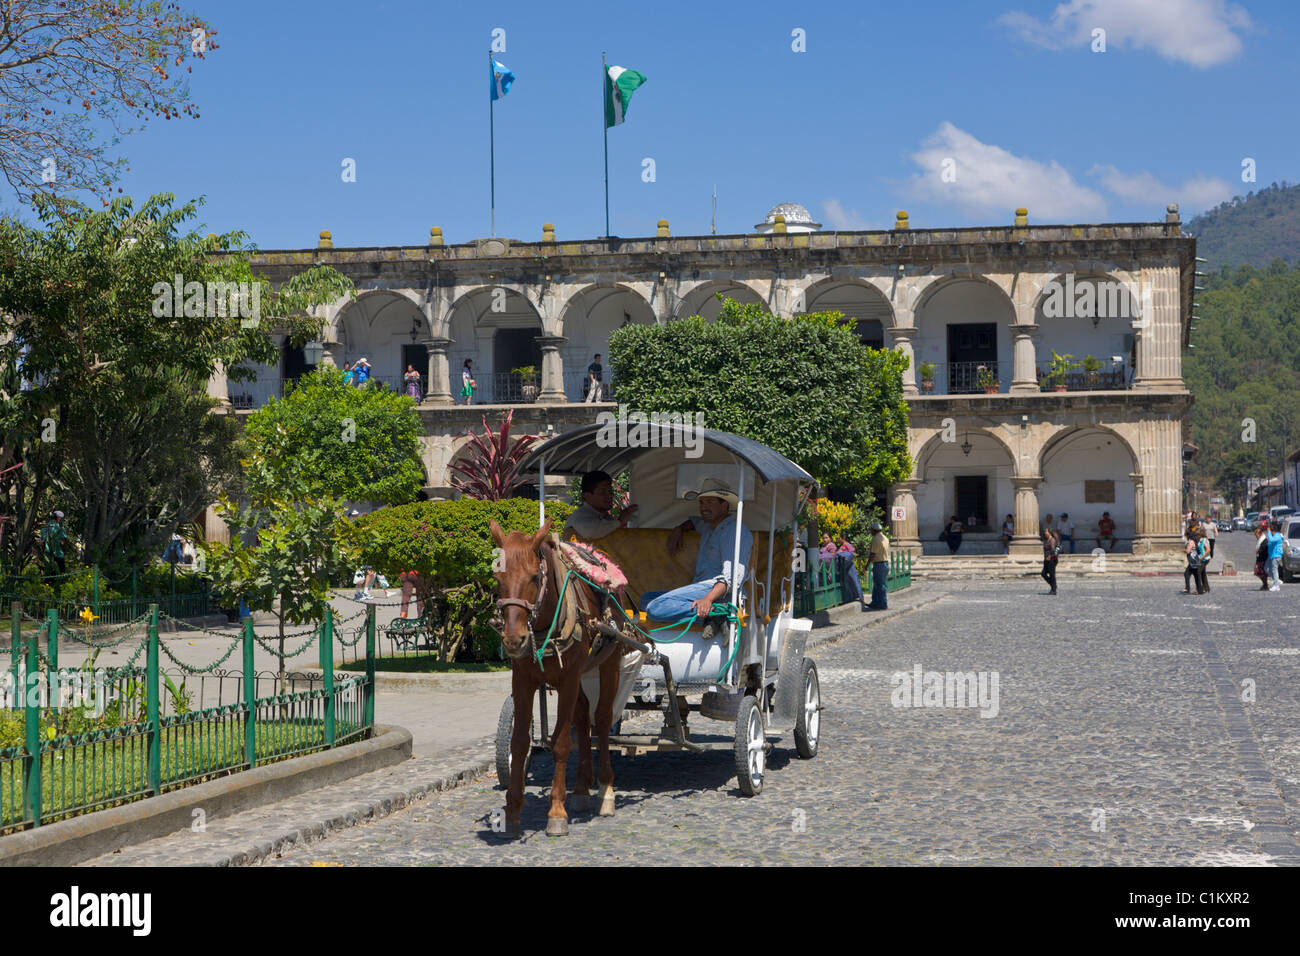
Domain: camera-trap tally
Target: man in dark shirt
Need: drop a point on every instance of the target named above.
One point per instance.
(594, 374)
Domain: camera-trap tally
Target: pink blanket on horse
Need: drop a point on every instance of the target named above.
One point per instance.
(596, 566)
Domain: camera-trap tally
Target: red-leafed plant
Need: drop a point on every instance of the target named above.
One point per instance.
(490, 469)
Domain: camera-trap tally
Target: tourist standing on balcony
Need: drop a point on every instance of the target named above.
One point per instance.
(1106, 529)
(348, 374)
(467, 383)
(1008, 532)
(1066, 529)
(879, 558)
(594, 375)
(412, 379)
(361, 372)
(1051, 551)
(953, 534)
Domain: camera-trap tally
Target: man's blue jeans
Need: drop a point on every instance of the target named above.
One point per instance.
(1069, 538)
(879, 591)
(676, 604)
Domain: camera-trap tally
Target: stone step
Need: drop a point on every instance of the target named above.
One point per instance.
(932, 567)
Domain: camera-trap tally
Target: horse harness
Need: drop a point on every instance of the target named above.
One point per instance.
(575, 609)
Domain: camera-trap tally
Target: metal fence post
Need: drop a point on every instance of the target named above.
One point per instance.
(327, 667)
(370, 667)
(94, 590)
(153, 715)
(250, 698)
(32, 737)
(16, 638)
(52, 641)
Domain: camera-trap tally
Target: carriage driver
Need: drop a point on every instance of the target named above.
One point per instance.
(714, 574)
(592, 520)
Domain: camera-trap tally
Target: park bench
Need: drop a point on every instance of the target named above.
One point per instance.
(410, 633)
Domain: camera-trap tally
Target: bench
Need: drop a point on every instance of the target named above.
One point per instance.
(410, 632)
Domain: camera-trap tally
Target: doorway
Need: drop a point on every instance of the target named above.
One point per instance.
(513, 348)
(972, 498)
(293, 365)
(970, 345)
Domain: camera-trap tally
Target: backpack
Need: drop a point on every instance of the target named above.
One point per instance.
(1196, 556)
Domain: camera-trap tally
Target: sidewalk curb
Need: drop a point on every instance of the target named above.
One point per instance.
(868, 621)
(450, 683)
(103, 831)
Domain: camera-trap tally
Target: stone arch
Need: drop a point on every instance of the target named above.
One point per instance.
(366, 299)
(862, 303)
(921, 457)
(587, 319)
(699, 299)
(964, 321)
(382, 325)
(975, 483)
(496, 339)
(1107, 334)
(1076, 455)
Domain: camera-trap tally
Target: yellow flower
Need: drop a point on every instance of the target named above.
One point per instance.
(87, 616)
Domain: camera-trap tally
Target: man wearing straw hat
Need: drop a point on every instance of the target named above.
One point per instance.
(714, 574)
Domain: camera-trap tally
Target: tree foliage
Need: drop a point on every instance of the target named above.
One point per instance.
(363, 443)
(804, 386)
(1250, 230)
(68, 68)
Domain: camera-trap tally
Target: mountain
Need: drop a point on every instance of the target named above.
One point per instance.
(1250, 230)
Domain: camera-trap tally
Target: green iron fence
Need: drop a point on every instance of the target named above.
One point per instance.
(151, 739)
(187, 602)
(822, 587)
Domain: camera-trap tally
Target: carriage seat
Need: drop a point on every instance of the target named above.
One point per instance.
(643, 555)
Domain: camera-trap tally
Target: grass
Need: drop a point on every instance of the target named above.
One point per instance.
(425, 665)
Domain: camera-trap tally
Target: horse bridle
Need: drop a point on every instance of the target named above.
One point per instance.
(530, 606)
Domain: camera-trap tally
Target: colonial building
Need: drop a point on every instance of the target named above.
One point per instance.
(996, 428)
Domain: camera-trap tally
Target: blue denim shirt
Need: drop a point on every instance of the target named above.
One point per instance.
(717, 548)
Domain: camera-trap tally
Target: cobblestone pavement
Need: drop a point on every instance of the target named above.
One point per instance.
(1134, 725)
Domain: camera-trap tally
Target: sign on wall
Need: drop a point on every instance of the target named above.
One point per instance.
(900, 514)
(1099, 492)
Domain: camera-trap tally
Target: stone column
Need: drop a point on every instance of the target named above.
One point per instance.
(1025, 541)
(438, 390)
(1024, 362)
(218, 386)
(1159, 330)
(902, 338)
(1141, 542)
(903, 534)
(552, 369)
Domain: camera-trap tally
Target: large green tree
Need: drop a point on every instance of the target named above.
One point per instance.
(103, 390)
(805, 386)
(364, 442)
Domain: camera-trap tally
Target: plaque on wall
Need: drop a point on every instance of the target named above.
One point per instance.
(1099, 492)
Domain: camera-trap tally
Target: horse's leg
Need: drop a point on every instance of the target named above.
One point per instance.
(568, 686)
(522, 688)
(609, 678)
(580, 799)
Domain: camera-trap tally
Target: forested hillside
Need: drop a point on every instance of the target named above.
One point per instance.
(1250, 230)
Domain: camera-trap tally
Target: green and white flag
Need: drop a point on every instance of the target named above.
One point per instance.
(620, 84)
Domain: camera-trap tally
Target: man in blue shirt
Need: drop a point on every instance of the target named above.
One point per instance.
(1275, 544)
(714, 571)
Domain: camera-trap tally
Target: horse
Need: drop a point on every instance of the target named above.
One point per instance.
(529, 579)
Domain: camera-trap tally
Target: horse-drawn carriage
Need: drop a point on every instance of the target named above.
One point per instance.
(752, 675)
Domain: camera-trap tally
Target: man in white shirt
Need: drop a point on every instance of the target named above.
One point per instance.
(1065, 528)
(592, 519)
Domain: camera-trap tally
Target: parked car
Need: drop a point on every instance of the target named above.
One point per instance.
(1252, 517)
(1288, 568)
(1225, 526)
(1240, 524)
(1278, 512)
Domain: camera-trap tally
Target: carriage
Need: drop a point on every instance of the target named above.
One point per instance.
(756, 677)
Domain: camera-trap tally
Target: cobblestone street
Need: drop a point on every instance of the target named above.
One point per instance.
(1133, 725)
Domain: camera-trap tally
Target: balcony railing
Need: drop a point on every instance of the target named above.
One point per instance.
(508, 387)
(1111, 376)
(959, 378)
(964, 378)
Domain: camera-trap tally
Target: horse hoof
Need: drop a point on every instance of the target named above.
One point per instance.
(607, 802)
(578, 803)
(557, 827)
(514, 830)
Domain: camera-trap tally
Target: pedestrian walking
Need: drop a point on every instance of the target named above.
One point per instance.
(1211, 529)
(1066, 530)
(1275, 545)
(1195, 561)
(411, 586)
(879, 559)
(1261, 556)
(1051, 551)
(953, 534)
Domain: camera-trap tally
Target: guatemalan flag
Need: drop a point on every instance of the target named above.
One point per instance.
(501, 79)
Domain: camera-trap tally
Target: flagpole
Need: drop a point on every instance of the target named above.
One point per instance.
(604, 79)
(492, 142)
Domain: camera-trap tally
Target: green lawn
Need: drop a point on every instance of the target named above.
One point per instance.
(424, 665)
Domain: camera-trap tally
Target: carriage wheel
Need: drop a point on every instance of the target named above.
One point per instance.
(505, 730)
(808, 724)
(751, 744)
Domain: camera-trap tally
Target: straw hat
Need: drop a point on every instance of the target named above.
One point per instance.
(714, 488)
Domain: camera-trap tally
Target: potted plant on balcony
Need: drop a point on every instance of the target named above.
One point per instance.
(1092, 370)
(1062, 365)
(528, 374)
(927, 378)
(986, 379)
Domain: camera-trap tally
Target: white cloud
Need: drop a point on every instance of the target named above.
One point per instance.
(1194, 195)
(990, 180)
(838, 217)
(1200, 32)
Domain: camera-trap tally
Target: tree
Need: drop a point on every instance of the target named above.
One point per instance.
(67, 67)
(804, 386)
(93, 367)
(367, 439)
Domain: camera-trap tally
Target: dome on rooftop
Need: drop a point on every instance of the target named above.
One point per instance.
(797, 218)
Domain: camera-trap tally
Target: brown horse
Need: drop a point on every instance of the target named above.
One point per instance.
(529, 579)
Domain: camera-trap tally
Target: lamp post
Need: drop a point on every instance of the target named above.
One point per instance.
(312, 352)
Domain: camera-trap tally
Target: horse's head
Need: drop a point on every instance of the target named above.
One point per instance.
(520, 586)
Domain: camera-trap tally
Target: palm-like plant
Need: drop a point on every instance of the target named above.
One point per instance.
(490, 471)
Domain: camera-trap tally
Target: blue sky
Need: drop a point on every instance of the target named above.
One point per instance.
(860, 124)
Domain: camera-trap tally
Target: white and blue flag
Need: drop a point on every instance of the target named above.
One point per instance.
(501, 79)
